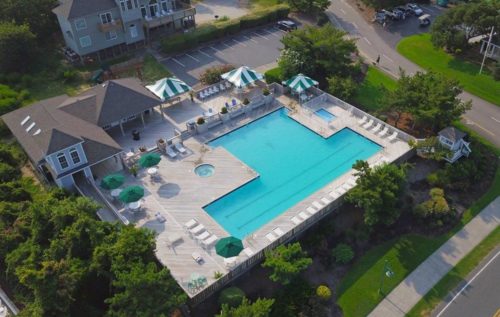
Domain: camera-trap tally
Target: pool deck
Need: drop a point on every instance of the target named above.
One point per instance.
(179, 195)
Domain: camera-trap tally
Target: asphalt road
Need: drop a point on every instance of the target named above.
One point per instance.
(373, 40)
(479, 295)
(251, 48)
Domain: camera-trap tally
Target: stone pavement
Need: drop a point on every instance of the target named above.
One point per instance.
(402, 299)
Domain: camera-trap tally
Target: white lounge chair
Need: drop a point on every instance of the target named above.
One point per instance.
(191, 224)
(203, 235)
(278, 231)
(334, 194)
(179, 147)
(311, 210)
(222, 87)
(197, 257)
(230, 262)
(352, 181)
(303, 215)
(341, 190)
(317, 205)
(228, 84)
(393, 136)
(347, 186)
(201, 95)
(207, 93)
(170, 152)
(249, 252)
(271, 237)
(377, 128)
(325, 201)
(362, 120)
(211, 91)
(368, 124)
(383, 132)
(216, 90)
(211, 240)
(296, 220)
(198, 229)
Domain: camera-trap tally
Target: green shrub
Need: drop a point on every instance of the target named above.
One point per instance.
(274, 75)
(341, 87)
(223, 110)
(436, 208)
(232, 296)
(324, 292)
(200, 121)
(265, 92)
(8, 173)
(229, 27)
(14, 192)
(246, 101)
(496, 71)
(322, 19)
(212, 75)
(342, 253)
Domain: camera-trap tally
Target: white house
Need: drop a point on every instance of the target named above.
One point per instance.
(453, 139)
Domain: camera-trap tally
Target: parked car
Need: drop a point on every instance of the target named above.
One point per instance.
(415, 8)
(389, 14)
(380, 17)
(287, 25)
(399, 14)
(408, 12)
(424, 20)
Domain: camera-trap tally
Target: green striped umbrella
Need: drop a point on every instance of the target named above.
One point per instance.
(112, 181)
(242, 76)
(131, 194)
(300, 83)
(149, 159)
(167, 88)
(229, 247)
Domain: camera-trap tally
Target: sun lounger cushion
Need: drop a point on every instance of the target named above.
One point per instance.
(249, 252)
(197, 229)
(191, 224)
(296, 220)
(271, 237)
(317, 205)
(311, 210)
(278, 231)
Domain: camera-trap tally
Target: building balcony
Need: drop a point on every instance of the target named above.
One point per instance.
(167, 17)
(111, 26)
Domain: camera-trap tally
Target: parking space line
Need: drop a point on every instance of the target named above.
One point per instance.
(260, 35)
(194, 58)
(178, 62)
(277, 28)
(388, 58)
(240, 42)
(217, 50)
(230, 47)
(250, 39)
(203, 53)
(272, 33)
(364, 38)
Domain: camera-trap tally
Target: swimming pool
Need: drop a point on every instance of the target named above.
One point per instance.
(293, 162)
(325, 115)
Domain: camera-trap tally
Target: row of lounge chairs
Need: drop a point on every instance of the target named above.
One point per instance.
(200, 234)
(377, 129)
(171, 149)
(311, 210)
(213, 90)
(274, 234)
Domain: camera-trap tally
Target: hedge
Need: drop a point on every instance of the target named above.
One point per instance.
(210, 32)
(274, 75)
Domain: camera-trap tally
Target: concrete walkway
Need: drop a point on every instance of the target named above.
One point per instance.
(10, 305)
(426, 275)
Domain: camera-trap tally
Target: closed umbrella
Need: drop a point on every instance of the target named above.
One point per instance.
(131, 194)
(229, 247)
(112, 181)
(149, 159)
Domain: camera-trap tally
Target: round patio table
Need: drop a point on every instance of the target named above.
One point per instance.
(116, 192)
(129, 154)
(134, 205)
(152, 171)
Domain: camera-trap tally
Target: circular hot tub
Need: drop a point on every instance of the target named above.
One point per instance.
(204, 170)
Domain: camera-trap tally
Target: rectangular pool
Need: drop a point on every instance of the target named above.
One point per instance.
(325, 115)
(293, 162)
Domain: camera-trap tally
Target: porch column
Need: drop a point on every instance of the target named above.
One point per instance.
(161, 112)
(121, 128)
(142, 118)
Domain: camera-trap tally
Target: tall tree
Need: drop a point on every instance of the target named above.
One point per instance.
(378, 191)
(260, 308)
(286, 261)
(17, 47)
(309, 6)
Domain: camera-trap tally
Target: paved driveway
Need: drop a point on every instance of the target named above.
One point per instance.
(251, 48)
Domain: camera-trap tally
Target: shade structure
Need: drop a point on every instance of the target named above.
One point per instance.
(229, 247)
(131, 194)
(300, 83)
(168, 88)
(242, 76)
(149, 159)
(112, 181)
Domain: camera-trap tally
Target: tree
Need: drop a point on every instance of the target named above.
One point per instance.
(309, 6)
(317, 52)
(232, 296)
(430, 98)
(286, 261)
(10, 100)
(324, 292)
(342, 253)
(378, 191)
(17, 47)
(7, 173)
(341, 87)
(260, 308)
(431, 148)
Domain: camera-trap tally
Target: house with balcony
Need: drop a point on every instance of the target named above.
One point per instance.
(101, 29)
(65, 136)
(453, 140)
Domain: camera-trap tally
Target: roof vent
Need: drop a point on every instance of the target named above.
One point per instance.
(25, 120)
(30, 127)
(37, 132)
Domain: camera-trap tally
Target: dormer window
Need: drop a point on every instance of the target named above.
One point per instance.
(74, 156)
(63, 162)
(106, 18)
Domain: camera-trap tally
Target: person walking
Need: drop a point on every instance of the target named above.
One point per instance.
(378, 59)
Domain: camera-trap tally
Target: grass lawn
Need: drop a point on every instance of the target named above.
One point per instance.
(419, 49)
(152, 70)
(451, 280)
(370, 95)
(358, 290)
(257, 4)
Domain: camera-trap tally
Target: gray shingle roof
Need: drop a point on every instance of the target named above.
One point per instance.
(72, 9)
(452, 134)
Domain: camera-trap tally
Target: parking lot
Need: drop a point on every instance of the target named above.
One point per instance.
(251, 48)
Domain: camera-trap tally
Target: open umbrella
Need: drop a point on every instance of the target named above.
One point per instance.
(149, 159)
(300, 83)
(229, 247)
(112, 181)
(168, 88)
(242, 76)
(131, 194)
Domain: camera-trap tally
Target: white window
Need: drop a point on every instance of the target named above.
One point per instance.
(111, 35)
(85, 41)
(80, 24)
(129, 5)
(122, 5)
(74, 156)
(164, 5)
(153, 8)
(62, 160)
(143, 11)
(133, 31)
(106, 18)
(136, 3)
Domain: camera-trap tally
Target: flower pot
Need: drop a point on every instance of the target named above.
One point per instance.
(201, 128)
(225, 117)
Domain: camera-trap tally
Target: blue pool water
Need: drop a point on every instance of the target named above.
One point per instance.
(325, 115)
(293, 162)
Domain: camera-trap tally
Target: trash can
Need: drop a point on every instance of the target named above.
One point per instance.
(136, 135)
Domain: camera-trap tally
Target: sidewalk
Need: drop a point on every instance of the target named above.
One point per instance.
(426, 275)
(7, 302)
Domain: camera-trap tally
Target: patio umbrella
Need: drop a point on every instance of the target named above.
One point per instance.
(300, 83)
(112, 181)
(242, 76)
(149, 159)
(229, 247)
(168, 88)
(131, 194)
